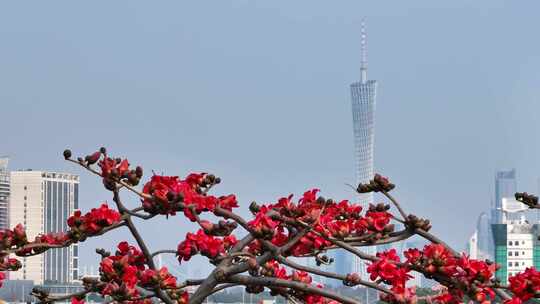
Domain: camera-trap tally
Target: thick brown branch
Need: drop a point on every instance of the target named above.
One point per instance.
(300, 287)
(331, 275)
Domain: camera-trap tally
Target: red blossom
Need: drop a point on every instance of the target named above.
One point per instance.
(525, 285)
(116, 167)
(92, 222)
(263, 224)
(514, 300)
(75, 300)
(162, 277)
(273, 269)
(400, 295)
(377, 221)
(204, 244)
(167, 192)
(10, 238)
(301, 276)
(387, 268)
(435, 258)
(340, 229)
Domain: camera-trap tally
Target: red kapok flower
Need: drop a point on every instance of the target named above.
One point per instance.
(525, 285)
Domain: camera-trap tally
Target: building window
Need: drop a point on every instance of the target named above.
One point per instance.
(510, 243)
(509, 264)
(516, 253)
(509, 253)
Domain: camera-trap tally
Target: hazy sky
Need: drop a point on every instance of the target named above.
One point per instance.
(258, 93)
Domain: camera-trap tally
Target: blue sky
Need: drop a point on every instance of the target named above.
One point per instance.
(258, 93)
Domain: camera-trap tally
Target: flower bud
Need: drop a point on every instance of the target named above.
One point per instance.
(253, 207)
(139, 171)
(67, 154)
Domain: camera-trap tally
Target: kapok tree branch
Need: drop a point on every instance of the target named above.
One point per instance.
(140, 241)
(331, 275)
(297, 286)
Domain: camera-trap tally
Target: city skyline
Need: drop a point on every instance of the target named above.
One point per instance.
(450, 111)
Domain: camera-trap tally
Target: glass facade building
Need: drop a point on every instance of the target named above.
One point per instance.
(42, 202)
(484, 237)
(61, 198)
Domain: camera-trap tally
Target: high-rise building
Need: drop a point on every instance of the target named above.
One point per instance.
(4, 192)
(505, 186)
(516, 244)
(363, 95)
(42, 202)
(484, 238)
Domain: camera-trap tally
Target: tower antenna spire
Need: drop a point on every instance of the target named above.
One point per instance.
(363, 50)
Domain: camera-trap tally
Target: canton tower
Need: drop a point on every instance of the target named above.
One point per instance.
(363, 95)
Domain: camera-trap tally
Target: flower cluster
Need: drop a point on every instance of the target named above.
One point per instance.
(402, 296)
(462, 274)
(162, 278)
(92, 222)
(326, 217)
(525, 285)
(17, 241)
(169, 194)
(13, 238)
(205, 244)
(434, 258)
(126, 270)
(273, 269)
(389, 269)
(262, 224)
(43, 242)
(8, 264)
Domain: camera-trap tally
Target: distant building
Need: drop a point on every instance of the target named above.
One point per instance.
(516, 243)
(505, 186)
(472, 246)
(4, 192)
(484, 238)
(17, 291)
(42, 202)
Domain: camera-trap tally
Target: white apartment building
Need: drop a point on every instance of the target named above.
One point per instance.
(42, 202)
